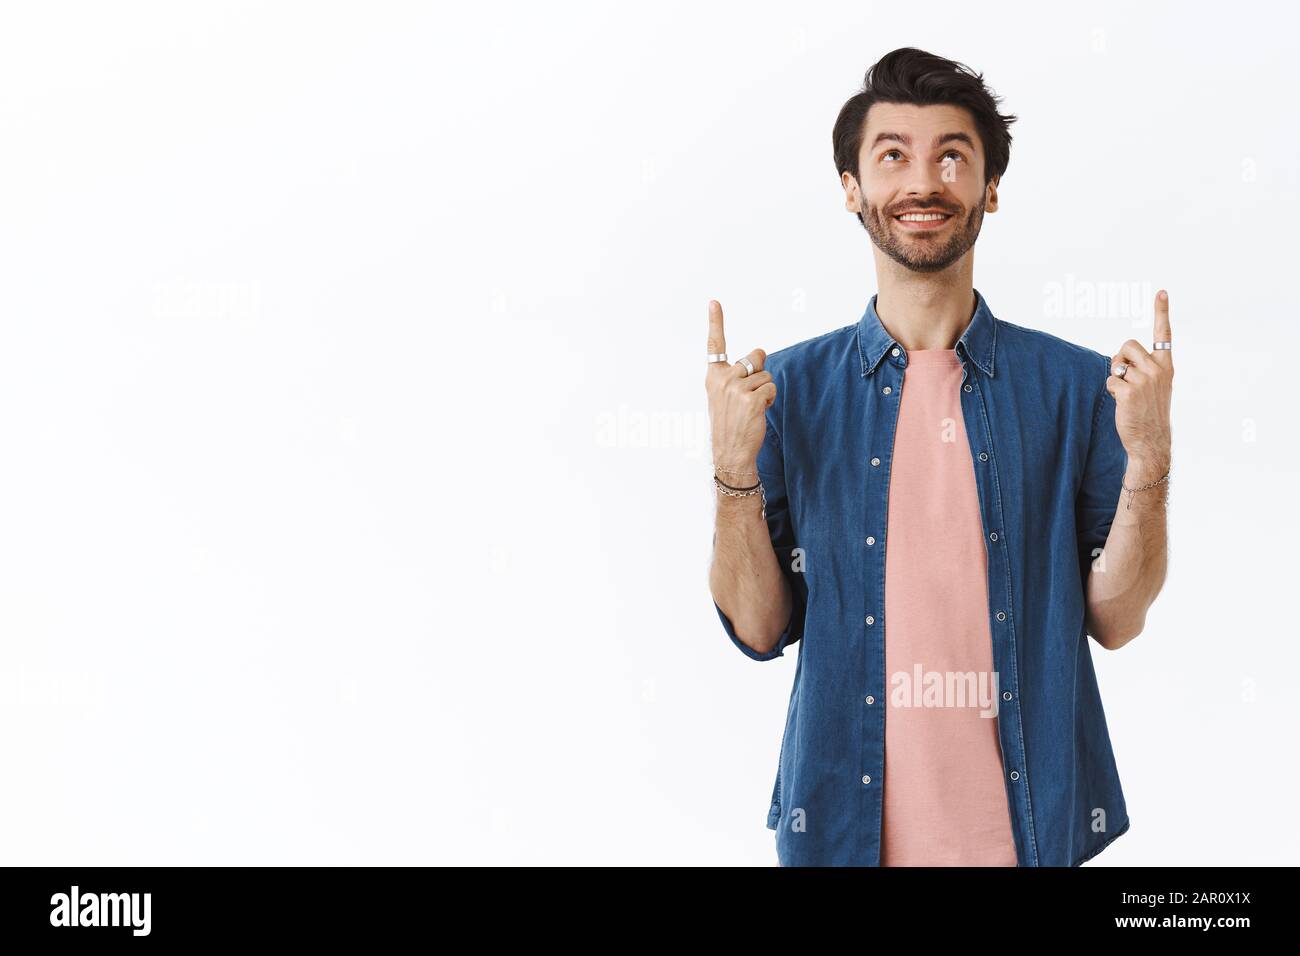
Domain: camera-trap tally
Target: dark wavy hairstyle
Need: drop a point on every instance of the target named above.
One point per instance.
(909, 75)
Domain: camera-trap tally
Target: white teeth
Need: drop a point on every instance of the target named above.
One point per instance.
(921, 217)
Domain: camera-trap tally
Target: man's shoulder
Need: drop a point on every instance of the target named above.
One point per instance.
(1019, 344)
(816, 351)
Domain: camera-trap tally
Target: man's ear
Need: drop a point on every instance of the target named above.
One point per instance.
(852, 193)
(991, 195)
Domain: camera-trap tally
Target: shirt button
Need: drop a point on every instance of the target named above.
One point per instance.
(875, 461)
(866, 778)
(893, 352)
(886, 389)
(871, 619)
(1006, 695)
(993, 536)
(984, 456)
(870, 699)
(871, 539)
(1002, 615)
(966, 387)
(1015, 775)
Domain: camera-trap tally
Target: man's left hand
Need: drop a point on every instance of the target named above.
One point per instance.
(1142, 400)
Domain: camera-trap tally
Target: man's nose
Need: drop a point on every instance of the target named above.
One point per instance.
(925, 180)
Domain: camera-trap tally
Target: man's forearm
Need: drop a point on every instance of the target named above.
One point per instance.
(745, 578)
(1133, 562)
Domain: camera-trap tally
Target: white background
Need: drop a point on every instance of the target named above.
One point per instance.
(355, 501)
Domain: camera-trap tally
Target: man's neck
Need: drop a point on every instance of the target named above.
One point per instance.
(925, 311)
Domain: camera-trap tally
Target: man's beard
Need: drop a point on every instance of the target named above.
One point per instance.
(919, 252)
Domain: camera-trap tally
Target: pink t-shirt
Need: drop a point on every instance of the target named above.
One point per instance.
(945, 800)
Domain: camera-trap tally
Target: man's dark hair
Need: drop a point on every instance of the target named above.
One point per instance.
(909, 75)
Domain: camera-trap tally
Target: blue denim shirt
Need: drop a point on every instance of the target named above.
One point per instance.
(1049, 468)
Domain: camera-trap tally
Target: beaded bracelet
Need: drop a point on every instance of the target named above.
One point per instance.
(728, 471)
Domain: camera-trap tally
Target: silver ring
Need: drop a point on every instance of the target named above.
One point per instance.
(1157, 346)
(1120, 370)
(717, 357)
(748, 366)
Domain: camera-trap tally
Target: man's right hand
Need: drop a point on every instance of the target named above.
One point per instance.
(738, 402)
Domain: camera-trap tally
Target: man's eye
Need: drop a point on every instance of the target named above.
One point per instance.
(953, 152)
(886, 154)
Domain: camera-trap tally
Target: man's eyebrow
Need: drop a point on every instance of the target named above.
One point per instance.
(938, 141)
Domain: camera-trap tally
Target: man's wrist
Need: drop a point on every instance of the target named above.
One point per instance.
(740, 509)
(1141, 471)
(730, 470)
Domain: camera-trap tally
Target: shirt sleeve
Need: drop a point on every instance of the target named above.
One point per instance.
(1103, 479)
(771, 471)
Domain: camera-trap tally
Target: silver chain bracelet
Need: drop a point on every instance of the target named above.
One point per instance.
(745, 493)
(1132, 491)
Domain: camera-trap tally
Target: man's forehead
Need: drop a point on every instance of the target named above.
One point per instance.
(919, 120)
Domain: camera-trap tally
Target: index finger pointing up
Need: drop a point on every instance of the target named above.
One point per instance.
(717, 340)
(1163, 333)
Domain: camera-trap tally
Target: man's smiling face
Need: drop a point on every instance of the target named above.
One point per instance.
(921, 192)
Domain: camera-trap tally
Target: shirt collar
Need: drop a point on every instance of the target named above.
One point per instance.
(976, 343)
